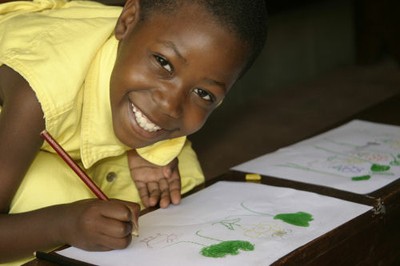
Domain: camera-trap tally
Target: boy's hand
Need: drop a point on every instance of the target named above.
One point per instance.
(156, 184)
(97, 225)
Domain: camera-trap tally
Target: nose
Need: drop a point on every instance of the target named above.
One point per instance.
(170, 99)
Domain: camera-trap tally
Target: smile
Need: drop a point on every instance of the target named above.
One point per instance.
(143, 121)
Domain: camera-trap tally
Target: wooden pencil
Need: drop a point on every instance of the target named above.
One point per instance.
(78, 170)
(74, 166)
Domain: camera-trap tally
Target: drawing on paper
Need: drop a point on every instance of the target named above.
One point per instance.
(375, 158)
(298, 218)
(246, 225)
(224, 248)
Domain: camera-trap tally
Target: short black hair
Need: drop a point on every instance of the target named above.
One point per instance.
(247, 19)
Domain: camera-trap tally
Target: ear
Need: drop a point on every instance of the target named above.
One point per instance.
(128, 19)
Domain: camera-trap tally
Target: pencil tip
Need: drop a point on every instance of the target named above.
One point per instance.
(135, 233)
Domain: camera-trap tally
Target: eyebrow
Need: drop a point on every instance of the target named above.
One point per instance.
(218, 83)
(172, 46)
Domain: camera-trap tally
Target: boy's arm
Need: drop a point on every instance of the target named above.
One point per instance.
(21, 121)
(156, 184)
(89, 224)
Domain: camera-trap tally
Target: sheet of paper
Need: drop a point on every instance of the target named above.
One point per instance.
(229, 223)
(359, 157)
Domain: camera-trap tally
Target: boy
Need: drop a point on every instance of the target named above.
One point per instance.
(103, 92)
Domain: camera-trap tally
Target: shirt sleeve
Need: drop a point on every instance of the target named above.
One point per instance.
(189, 168)
(163, 152)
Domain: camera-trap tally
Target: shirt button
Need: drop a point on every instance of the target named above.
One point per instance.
(111, 176)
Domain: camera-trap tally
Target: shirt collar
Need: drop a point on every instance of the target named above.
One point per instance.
(98, 140)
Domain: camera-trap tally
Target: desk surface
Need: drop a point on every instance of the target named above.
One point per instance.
(370, 239)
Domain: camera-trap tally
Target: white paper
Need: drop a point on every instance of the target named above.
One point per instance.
(359, 157)
(228, 211)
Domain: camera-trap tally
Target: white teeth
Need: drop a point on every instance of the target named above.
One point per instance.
(143, 121)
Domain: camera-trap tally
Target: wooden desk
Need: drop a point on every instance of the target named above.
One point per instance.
(371, 239)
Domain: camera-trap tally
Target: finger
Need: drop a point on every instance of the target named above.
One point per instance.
(143, 193)
(113, 228)
(165, 199)
(117, 210)
(167, 171)
(119, 243)
(121, 218)
(135, 211)
(154, 193)
(108, 242)
(170, 168)
(175, 187)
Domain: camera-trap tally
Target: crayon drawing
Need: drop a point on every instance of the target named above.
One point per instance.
(229, 223)
(250, 224)
(360, 157)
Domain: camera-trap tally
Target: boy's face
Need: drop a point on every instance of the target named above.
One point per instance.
(171, 72)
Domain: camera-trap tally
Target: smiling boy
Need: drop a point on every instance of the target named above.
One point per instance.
(108, 83)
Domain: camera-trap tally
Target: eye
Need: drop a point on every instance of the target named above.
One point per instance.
(205, 95)
(164, 63)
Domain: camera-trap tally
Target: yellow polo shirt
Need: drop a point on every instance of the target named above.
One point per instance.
(66, 51)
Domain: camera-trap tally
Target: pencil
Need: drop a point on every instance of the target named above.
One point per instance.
(78, 170)
(74, 166)
(59, 259)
